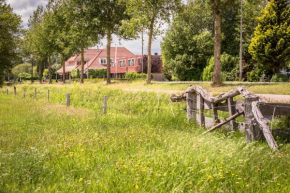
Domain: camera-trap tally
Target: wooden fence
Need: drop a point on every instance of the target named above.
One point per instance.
(257, 112)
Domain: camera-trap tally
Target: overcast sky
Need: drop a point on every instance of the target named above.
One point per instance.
(25, 8)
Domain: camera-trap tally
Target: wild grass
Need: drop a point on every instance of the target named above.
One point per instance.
(143, 144)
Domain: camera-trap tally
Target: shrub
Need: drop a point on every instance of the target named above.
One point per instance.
(24, 76)
(75, 73)
(279, 78)
(254, 75)
(135, 75)
(97, 73)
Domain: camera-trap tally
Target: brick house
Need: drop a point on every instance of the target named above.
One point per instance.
(122, 61)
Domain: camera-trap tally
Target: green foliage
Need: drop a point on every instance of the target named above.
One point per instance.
(229, 68)
(279, 78)
(45, 73)
(75, 73)
(98, 73)
(24, 76)
(9, 38)
(21, 68)
(255, 74)
(271, 43)
(135, 75)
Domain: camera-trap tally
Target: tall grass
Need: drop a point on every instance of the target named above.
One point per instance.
(143, 144)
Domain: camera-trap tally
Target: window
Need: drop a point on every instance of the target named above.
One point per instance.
(132, 62)
(124, 63)
(129, 62)
(120, 63)
(103, 61)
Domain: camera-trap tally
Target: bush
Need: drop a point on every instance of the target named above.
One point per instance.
(135, 75)
(24, 76)
(279, 78)
(229, 68)
(98, 73)
(254, 75)
(75, 73)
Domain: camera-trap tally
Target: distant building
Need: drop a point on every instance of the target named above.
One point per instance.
(122, 61)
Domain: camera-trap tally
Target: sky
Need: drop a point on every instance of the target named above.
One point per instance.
(25, 8)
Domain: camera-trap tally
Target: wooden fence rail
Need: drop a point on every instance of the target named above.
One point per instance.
(255, 110)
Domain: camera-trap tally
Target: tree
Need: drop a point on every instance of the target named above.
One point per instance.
(110, 15)
(270, 46)
(84, 30)
(149, 15)
(9, 35)
(21, 68)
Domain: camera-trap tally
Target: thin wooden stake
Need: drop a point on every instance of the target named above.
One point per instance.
(231, 112)
(47, 95)
(7, 91)
(105, 105)
(14, 90)
(67, 99)
(35, 94)
(24, 94)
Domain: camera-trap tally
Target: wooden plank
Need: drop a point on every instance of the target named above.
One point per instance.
(232, 111)
(191, 101)
(264, 124)
(267, 109)
(252, 128)
(215, 113)
(200, 104)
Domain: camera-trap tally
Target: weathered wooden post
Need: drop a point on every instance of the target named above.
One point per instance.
(14, 90)
(253, 131)
(7, 91)
(191, 101)
(47, 95)
(232, 111)
(214, 107)
(105, 105)
(67, 99)
(35, 94)
(201, 109)
(23, 93)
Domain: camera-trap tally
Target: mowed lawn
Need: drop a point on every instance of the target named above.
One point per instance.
(143, 144)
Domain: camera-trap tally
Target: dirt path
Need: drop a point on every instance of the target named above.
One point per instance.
(268, 97)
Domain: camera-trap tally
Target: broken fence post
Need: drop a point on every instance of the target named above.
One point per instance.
(67, 99)
(253, 131)
(105, 105)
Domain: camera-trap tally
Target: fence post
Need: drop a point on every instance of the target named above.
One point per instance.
(35, 94)
(14, 90)
(105, 105)
(201, 108)
(7, 91)
(252, 127)
(47, 95)
(232, 110)
(24, 94)
(215, 112)
(67, 99)
(191, 106)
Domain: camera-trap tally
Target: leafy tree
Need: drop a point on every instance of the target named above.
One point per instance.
(149, 15)
(85, 32)
(109, 15)
(75, 73)
(21, 68)
(156, 65)
(270, 46)
(9, 35)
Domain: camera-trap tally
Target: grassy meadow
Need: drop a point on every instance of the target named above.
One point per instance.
(142, 144)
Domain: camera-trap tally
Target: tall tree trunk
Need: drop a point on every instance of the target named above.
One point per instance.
(109, 36)
(39, 72)
(63, 68)
(49, 70)
(217, 44)
(149, 52)
(241, 43)
(82, 65)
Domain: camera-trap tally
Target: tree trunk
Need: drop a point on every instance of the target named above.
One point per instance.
(217, 45)
(40, 74)
(49, 70)
(63, 68)
(149, 52)
(82, 65)
(241, 43)
(108, 57)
